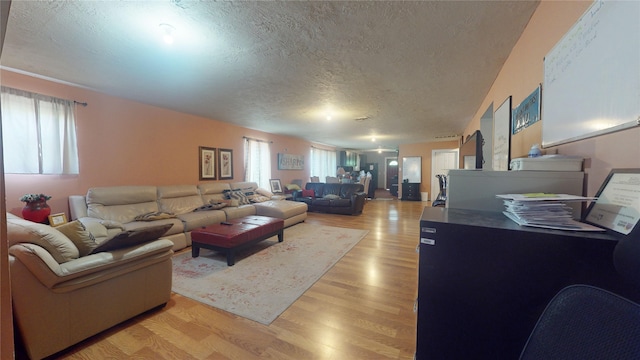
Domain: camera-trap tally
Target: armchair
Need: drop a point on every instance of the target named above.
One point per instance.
(61, 297)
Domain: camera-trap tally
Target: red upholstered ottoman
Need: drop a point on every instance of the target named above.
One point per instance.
(235, 234)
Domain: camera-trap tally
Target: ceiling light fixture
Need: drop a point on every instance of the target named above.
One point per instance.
(373, 139)
(167, 33)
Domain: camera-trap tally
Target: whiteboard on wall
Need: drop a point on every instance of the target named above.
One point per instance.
(592, 75)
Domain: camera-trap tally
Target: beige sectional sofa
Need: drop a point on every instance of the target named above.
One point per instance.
(62, 296)
(63, 292)
(116, 208)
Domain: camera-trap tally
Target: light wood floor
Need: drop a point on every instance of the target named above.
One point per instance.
(362, 308)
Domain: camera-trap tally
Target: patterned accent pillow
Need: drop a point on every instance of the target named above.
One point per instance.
(240, 196)
(226, 193)
(249, 192)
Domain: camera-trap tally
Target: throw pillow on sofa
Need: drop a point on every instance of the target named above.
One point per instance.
(78, 234)
(264, 192)
(331, 197)
(240, 196)
(132, 237)
(292, 187)
(308, 193)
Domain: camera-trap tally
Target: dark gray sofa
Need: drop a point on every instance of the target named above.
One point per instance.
(347, 199)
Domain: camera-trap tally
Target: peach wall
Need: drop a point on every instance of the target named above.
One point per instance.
(523, 72)
(424, 150)
(122, 142)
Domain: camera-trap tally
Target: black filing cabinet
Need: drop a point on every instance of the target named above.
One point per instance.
(411, 191)
(484, 280)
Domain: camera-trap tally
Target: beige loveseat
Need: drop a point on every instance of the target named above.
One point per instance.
(116, 208)
(62, 295)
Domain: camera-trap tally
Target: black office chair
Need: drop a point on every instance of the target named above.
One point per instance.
(585, 322)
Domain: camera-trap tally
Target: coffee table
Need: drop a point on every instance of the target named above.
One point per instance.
(236, 234)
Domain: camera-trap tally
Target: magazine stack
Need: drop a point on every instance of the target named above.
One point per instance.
(544, 210)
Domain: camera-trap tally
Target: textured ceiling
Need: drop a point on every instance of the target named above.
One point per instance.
(417, 71)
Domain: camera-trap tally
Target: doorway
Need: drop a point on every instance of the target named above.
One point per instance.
(391, 169)
(442, 161)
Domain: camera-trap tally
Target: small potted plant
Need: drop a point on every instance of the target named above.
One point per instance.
(36, 208)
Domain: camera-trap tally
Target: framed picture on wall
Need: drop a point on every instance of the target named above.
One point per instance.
(502, 136)
(527, 112)
(225, 164)
(290, 162)
(276, 186)
(207, 157)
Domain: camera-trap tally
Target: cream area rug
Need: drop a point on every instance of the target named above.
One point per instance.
(267, 277)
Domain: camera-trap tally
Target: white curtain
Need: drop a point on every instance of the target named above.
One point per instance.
(323, 163)
(38, 134)
(257, 162)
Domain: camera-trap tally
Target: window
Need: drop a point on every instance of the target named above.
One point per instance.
(323, 163)
(257, 162)
(38, 133)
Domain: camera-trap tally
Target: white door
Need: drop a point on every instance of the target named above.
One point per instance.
(441, 162)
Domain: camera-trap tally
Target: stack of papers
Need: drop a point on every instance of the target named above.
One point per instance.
(545, 211)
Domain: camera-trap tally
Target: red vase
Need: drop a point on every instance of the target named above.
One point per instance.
(36, 211)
